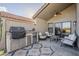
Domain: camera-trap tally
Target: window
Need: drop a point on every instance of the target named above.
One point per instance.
(58, 25)
(60, 28)
(66, 27)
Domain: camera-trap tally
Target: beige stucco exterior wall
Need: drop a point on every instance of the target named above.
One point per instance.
(41, 25)
(67, 15)
(27, 26)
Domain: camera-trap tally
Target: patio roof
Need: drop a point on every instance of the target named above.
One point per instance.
(48, 10)
(16, 18)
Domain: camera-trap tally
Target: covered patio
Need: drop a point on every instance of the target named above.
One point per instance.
(59, 20)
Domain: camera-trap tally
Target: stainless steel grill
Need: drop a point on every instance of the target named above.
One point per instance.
(17, 32)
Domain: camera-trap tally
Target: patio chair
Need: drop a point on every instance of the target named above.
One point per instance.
(48, 34)
(42, 36)
(70, 40)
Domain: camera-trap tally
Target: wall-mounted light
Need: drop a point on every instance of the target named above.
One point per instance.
(34, 22)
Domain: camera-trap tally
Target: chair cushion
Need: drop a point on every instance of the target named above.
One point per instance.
(67, 41)
(40, 33)
(71, 37)
(47, 33)
(42, 36)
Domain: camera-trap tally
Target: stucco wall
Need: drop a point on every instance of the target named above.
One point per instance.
(41, 25)
(27, 26)
(67, 15)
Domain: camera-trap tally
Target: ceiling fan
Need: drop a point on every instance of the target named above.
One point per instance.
(57, 13)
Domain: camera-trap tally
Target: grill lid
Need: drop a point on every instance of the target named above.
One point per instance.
(17, 32)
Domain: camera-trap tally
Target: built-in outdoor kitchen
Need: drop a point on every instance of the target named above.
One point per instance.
(18, 38)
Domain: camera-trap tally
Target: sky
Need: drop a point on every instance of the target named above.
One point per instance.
(21, 9)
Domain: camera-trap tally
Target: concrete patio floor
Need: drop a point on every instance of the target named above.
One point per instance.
(46, 48)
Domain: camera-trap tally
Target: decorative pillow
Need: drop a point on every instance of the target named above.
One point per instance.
(40, 33)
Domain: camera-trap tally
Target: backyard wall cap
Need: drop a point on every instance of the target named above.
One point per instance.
(15, 17)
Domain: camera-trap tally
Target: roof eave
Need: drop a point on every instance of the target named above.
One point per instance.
(40, 10)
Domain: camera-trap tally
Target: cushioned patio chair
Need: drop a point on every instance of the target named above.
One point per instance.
(70, 40)
(42, 36)
(48, 34)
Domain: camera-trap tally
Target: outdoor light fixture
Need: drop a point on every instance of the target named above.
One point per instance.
(34, 22)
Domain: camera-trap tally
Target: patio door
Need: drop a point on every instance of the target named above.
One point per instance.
(58, 27)
(63, 28)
